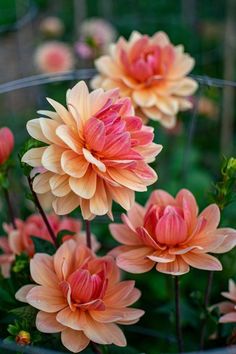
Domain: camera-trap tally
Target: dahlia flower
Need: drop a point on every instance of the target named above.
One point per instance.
(53, 57)
(51, 26)
(169, 233)
(19, 240)
(97, 151)
(228, 308)
(6, 144)
(152, 71)
(80, 296)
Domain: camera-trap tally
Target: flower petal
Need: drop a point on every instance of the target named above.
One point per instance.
(202, 261)
(178, 267)
(42, 270)
(46, 299)
(22, 292)
(47, 323)
(75, 341)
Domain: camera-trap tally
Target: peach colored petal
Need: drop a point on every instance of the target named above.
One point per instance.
(73, 164)
(186, 87)
(63, 259)
(50, 114)
(110, 315)
(160, 197)
(187, 201)
(21, 294)
(124, 235)
(121, 195)
(108, 67)
(225, 306)
(33, 156)
(46, 299)
(42, 270)
(91, 159)
(144, 98)
(71, 319)
(41, 182)
(75, 341)
(162, 257)
(59, 185)
(202, 261)
(79, 97)
(136, 215)
(135, 260)
(51, 158)
(103, 333)
(47, 323)
(84, 187)
(228, 318)
(212, 215)
(16, 242)
(228, 236)
(167, 105)
(62, 112)
(65, 205)
(49, 127)
(178, 267)
(70, 138)
(34, 129)
(120, 293)
(127, 179)
(99, 202)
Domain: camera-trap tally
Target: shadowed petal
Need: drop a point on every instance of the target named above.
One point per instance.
(75, 341)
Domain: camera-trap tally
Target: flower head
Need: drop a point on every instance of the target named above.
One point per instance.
(170, 234)
(54, 57)
(228, 308)
(97, 151)
(19, 240)
(152, 71)
(6, 144)
(80, 296)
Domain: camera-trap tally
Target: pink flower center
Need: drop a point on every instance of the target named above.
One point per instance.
(166, 225)
(84, 286)
(146, 61)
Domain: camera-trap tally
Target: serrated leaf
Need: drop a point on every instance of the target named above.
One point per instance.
(63, 233)
(26, 313)
(43, 246)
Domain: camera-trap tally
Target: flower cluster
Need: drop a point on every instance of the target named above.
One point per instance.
(152, 71)
(80, 296)
(96, 151)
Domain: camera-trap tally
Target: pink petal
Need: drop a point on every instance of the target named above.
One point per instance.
(135, 261)
(63, 259)
(228, 318)
(162, 257)
(47, 323)
(124, 235)
(94, 133)
(46, 299)
(161, 197)
(22, 293)
(42, 270)
(202, 261)
(75, 341)
(212, 215)
(228, 236)
(69, 318)
(178, 267)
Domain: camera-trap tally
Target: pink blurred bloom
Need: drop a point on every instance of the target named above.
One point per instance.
(80, 296)
(152, 71)
(98, 30)
(228, 308)
(169, 233)
(84, 50)
(19, 240)
(6, 144)
(54, 57)
(97, 151)
(51, 26)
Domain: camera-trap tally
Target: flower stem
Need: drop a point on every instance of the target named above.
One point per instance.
(42, 213)
(95, 348)
(179, 334)
(10, 208)
(206, 304)
(88, 234)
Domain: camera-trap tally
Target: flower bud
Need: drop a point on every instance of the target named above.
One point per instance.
(6, 144)
(23, 338)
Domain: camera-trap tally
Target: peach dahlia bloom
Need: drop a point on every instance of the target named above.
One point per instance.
(152, 71)
(80, 296)
(228, 308)
(169, 233)
(19, 240)
(54, 57)
(97, 151)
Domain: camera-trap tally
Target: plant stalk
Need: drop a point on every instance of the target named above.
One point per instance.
(179, 334)
(88, 234)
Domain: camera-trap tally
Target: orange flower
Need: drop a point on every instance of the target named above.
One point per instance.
(152, 71)
(97, 151)
(80, 296)
(54, 57)
(228, 308)
(170, 234)
(19, 240)
(6, 144)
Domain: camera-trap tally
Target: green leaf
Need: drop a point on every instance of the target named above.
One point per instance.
(25, 313)
(43, 246)
(63, 233)
(13, 329)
